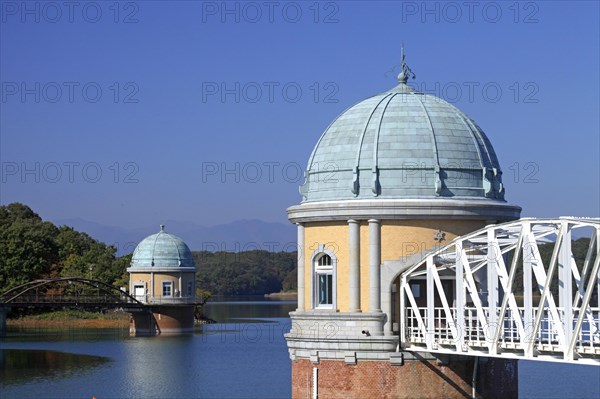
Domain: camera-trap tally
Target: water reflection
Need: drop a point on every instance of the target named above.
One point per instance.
(158, 366)
(54, 334)
(231, 309)
(244, 356)
(22, 365)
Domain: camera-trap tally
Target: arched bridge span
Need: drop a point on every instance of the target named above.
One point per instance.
(69, 292)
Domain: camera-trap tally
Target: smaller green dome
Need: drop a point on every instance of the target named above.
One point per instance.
(162, 250)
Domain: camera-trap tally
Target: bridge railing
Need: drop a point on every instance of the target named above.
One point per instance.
(474, 334)
(70, 298)
(519, 288)
(170, 300)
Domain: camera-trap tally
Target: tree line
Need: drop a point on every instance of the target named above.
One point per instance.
(246, 273)
(579, 249)
(31, 249)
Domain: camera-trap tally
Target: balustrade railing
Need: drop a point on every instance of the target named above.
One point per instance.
(71, 298)
(474, 333)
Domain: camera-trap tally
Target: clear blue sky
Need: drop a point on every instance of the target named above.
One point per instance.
(164, 123)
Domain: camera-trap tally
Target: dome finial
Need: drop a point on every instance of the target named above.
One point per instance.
(162, 227)
(405, 71)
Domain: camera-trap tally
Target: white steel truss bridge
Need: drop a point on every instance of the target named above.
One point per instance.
(512, 290)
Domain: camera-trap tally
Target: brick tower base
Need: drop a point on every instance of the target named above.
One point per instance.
(417, 377)
(174, 319)
(164, 319)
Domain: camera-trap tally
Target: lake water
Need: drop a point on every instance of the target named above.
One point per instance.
(243, 356)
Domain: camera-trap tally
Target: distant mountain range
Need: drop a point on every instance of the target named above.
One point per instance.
(237, 236)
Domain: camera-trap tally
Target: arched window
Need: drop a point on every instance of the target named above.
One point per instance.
(324, 285)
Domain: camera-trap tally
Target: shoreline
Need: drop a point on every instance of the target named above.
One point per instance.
(120, 322)
(66, 319)
(282, 295)
(69, 323)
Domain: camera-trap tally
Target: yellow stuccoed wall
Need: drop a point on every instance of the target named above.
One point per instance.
(159, 277)
(136, 277)
(398, 238)
(334, 235)
(408, 237)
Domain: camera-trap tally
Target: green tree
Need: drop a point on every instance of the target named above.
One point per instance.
(28, 249)
(32, 249)
(245, 273)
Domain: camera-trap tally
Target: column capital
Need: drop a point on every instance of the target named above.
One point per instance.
(353, 221)
(374, 221)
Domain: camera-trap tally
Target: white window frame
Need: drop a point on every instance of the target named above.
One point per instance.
(317, 270)
(166, 284)
(142, 284)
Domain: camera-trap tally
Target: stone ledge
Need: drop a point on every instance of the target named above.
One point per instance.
(386, 209)
(330, 315)
(329, 325)
(397, 359)
(350, 357)
(340, 346)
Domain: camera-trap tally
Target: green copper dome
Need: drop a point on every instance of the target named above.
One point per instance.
(402, 144)
(162, 250)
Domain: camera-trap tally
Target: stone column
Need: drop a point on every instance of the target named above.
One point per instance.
(180, 287)
(301, 292)
(354, 265)
(374, 266)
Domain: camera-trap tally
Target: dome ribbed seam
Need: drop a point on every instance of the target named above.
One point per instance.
(375, 167)
(362, 136)
(433, 141)
(154, 246)
(355, 191)
(177, 248)
(312, 154)
(479, 142)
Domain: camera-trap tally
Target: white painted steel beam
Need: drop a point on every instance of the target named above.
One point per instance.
(489, 321)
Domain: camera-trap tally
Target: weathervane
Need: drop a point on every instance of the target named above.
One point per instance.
(405, 72)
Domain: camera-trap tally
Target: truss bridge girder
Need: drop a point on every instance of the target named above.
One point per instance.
(518, 292)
